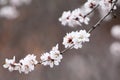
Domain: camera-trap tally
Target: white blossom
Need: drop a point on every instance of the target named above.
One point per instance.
(52, 58)
(44, 58)
(25, 65)
(68, 39)
(65, 18)
(76, 39)
(90, 4)
(10, 64)
(81, 37)
(55, 54)
(79, 17)
(74, 18)
(17, 67)
(106, 4)
(28, 63)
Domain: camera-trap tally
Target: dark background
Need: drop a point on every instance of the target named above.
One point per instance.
(37, 30)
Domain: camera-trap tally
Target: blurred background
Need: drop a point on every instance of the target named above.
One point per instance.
(37, 29)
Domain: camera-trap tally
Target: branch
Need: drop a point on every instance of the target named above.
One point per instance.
(94, 26)
(11, 65)
(92, 10)
(101, 20)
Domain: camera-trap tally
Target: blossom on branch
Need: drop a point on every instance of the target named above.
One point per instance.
(74, 18)
(9, 63)
(65, 18)
(80, 15)
(28, 63)
(89, 5)
(107, 4)
(76, 39)
(52, 58)
(25, 65)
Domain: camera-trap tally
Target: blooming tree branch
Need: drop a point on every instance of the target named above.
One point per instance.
(101, 20)
(74, 39)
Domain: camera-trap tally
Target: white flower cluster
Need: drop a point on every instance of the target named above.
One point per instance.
(73, 18)
(76, 39)
(90, 4)
(8, 8)
(79, 15)
(52, 58)
(25, 65)
(107, 4)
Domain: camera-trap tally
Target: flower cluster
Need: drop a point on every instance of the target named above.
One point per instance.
(80, 15)
(107, 4)
(10, 64)
(90, 4)
(76, 39)
(8, 8)
(52, 58)
(25, 65)
(73, 18)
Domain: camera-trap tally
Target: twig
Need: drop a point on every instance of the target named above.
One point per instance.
(63, 51)
(94, 26)
(66, 49)
(92, 11)
(98, 23)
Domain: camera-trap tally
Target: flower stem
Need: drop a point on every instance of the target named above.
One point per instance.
(92, 11)
(101, 20)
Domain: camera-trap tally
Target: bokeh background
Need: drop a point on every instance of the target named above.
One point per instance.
(37, 30)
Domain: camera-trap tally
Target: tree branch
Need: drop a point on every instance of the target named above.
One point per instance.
(92, 11)
(101, 20)
(96, 25)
